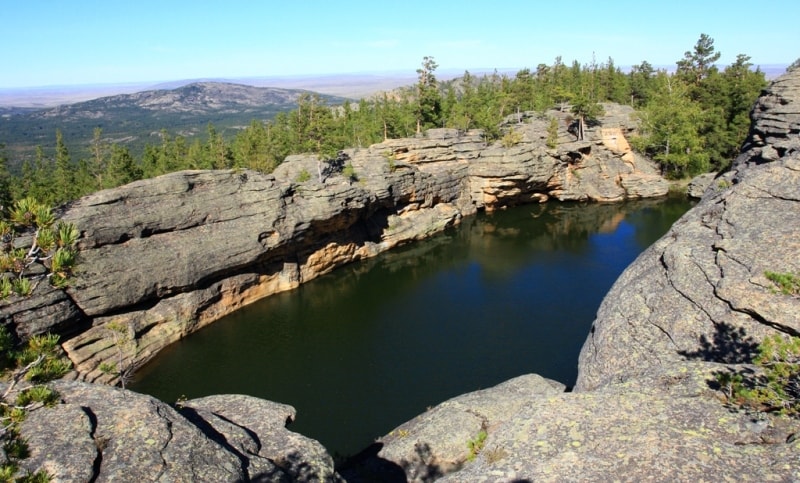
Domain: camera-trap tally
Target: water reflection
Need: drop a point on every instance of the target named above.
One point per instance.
(374, 343)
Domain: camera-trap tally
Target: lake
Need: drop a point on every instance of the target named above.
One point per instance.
(365, 348)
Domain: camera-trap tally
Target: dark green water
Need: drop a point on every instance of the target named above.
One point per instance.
(363, 349)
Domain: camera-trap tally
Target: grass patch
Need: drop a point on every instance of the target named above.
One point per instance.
(786, 283)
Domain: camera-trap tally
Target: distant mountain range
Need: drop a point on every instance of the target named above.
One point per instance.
(28, 120)
(137, 119)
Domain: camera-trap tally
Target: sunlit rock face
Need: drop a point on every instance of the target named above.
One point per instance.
(163, 257)
(647, 403)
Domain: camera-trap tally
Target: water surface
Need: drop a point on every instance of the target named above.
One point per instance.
(371, 345)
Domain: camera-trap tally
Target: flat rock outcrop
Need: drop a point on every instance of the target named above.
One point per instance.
(100, 433)
(667, 426)
(437, 442)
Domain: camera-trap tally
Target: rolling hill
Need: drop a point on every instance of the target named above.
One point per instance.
(137, 119)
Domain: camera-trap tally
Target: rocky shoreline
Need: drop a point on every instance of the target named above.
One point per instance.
(164, 257)
(644, 407)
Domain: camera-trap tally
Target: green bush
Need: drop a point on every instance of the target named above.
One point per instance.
(38, 362)
(51, 247)
(476, 445)
(511, 138)
(777, 388)
(552, 133)
(303, 176)
(349, 172)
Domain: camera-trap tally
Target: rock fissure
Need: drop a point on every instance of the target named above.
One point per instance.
(666, 333)
(169, 436)
(640, 344)
(97, 463)
(683, 293)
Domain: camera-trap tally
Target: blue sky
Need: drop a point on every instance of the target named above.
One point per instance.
(49, 42)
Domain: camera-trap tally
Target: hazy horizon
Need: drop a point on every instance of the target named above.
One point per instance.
(353, 84)
(85, 42)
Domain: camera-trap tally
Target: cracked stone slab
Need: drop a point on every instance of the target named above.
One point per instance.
(134, 438)
(666, 425)
(436, 442)
(258, 428)
(68, 454)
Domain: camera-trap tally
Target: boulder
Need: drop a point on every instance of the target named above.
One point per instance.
(667, 425)
(437, 442)
(702, 290)
(100, 433)
(700, 184)
(256, 429)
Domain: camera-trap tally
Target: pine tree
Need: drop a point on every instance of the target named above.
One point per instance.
(64, 182)
(641, 83)
(5, 181)
(697, 63)
(585, 111)
(669, 129)
(428, 108)
(122, 168)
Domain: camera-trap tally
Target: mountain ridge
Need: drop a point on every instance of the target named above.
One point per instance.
(135, 119)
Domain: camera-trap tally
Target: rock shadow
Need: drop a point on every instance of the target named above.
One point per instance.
(369, 466)
(728, 345)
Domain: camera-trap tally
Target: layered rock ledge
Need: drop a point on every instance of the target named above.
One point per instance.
(165, 256)
(647, 405)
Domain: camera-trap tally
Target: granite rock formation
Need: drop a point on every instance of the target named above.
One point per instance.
(101, 433)
(703, 285)
(163, 257)
(647, 405)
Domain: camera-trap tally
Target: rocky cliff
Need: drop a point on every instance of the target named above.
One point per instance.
(161, 258)
(647, 404)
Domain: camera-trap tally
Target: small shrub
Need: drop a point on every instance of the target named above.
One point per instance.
(22, 286)
(67, 234)
(476, 445)
(38, 362)
(552, 133)
(349, 172)
(391, 160)
(511, 138)
(303, 176)
(124, 344)
(6, 287)
(51, 247)
(61, 266)
(22, 213)
(37, 394)
(777, 388)
(45, 239)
